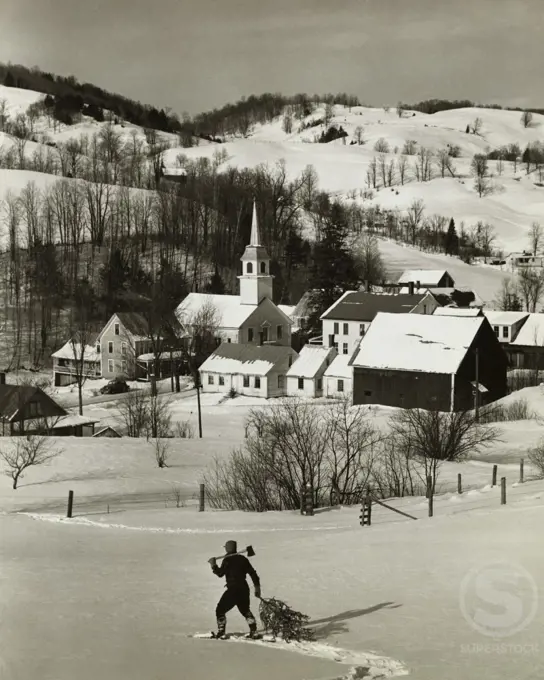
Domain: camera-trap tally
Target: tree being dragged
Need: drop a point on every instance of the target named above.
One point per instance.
(280, 620)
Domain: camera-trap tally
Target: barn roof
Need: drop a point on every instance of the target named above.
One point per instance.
(417, 342)
(498, 318)
(310, 360)
(426, 277)
(532, 332)
(14, 397)
(230, 358)
(361, 306)
(457, 311)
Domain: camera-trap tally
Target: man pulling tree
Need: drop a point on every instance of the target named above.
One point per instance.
(235, 568)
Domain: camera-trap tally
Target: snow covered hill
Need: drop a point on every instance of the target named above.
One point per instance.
(516, 202)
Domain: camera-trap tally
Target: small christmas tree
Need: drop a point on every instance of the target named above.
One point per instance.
(280, 620)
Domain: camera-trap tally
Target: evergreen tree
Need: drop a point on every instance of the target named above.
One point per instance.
(333, 269)
(216, 286)
(527, 158)
(9, 80)
(451, 242)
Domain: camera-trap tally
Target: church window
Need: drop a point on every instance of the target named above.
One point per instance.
(263, 267)
(250, 268)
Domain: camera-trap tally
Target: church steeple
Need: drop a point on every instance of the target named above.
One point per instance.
(255, 281)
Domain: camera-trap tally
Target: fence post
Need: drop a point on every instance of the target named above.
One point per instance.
(70, 503)
(366, 510)
(459, 484)
(503, 490)
(308, 500)
(494, 477)
(430, 494)
(521, 471)
(202, 500)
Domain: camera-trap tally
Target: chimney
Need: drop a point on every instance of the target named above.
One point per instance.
(261, 336)
(418, 285)
(331, 340)
(411, 287)
(2, 378)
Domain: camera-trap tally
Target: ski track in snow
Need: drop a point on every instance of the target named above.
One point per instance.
(169, 530)
(362, 664)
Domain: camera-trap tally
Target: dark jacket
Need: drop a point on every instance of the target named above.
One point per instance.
(236, 568)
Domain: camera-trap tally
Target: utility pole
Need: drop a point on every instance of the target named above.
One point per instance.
(477, 388)
(197, 384)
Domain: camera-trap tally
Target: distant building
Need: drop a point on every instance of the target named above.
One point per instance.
(254, 370)
(458, 311)
(25, 409)
(305, 377)
(418, 361)
(425, 278)
(346, 321)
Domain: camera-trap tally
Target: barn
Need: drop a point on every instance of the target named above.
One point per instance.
(431, 362)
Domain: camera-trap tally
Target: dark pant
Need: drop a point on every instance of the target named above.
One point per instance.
(234, 597)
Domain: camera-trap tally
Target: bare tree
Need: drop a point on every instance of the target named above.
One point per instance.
(425, 167)
(161, 449)
(159, 417)
(134, 411)
(434, 437)
(382, 145)
(372, 174)
(526, 119)
(20, 453)
(535, 237)
(4, 115)
(329, 113)
(309, 186)
(445, 162)
(414, 217)
(484, 237)
(353, 438)
(476, 127)
(480, 170)
(507, 299)
(402, 164)
(531, 287)
(410, 147)
(400, 109)
(358, 134)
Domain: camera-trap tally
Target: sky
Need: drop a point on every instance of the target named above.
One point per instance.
(194, 55)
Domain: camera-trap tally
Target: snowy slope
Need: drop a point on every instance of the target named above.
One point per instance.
(511, 209)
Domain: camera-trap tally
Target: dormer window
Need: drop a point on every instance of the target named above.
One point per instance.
(249, 268)
(263, 267)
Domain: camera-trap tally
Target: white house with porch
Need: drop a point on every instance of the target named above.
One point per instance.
(305, 377)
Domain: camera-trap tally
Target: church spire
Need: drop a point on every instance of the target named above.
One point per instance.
(255, 239)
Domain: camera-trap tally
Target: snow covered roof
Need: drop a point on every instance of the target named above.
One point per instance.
(149, 356)
(457, 311)
(417, 342)
(69, 351)
(287, 309)
(361, 306)
(426, 277)
(230, 310)
(532, 332)
(340, 367)
(233, 358)
(73, 420)
(310, 360)
(498, 318)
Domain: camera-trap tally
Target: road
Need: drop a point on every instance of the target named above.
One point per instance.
(72, 400)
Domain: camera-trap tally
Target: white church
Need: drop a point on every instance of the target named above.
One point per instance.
(251, 317)
(255, 353)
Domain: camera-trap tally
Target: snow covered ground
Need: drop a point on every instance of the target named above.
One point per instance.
(116, 594)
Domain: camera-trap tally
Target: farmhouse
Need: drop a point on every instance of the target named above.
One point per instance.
(426, 278)
(506, 325)
(250, 317)
(24, 409)
(431, 362)
(121, 349)
(349, 318)
(305, 377)
(256, 370)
